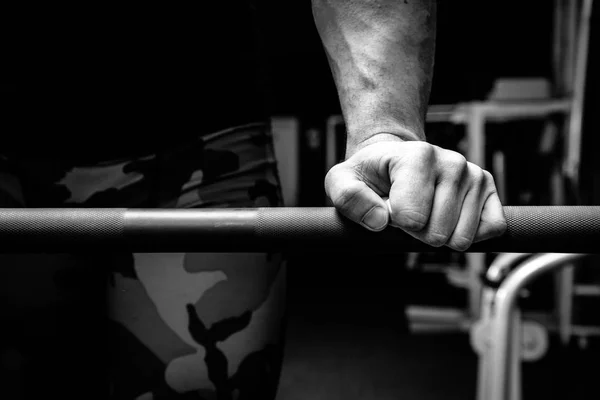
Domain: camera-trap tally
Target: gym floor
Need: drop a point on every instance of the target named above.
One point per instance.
(348, 346)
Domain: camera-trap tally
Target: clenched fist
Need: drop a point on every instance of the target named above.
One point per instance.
(433, 194)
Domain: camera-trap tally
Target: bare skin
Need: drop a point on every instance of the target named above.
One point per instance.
(381, 54)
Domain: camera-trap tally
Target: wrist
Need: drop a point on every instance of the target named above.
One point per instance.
(403, 135)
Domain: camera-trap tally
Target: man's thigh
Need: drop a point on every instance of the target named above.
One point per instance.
(201, 326)
(209, 324)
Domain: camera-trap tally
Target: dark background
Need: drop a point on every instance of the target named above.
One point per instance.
(476, 42)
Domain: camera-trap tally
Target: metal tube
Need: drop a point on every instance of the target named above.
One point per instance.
(498, 270)
(578, 95)
(504, 303)
(502, 264)
(561, 229)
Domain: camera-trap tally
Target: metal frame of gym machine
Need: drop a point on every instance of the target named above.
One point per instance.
(499, 376)
(499, 366)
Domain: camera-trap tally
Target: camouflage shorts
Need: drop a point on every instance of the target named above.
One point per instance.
(229, 168)
(168, 339)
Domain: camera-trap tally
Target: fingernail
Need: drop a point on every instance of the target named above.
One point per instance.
(389, 207)
(376, 219)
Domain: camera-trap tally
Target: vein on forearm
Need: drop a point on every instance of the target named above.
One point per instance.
(381, 57)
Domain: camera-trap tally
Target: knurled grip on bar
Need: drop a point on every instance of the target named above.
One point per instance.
(530, 229)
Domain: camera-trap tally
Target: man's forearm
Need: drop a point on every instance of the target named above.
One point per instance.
(381, 54)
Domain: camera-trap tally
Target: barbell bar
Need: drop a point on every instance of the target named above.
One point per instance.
(556, 229)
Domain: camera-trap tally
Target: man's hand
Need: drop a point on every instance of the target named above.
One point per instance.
(381, 55)
(435, 195)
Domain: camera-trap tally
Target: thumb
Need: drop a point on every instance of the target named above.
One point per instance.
(354, 199)
(493, 221)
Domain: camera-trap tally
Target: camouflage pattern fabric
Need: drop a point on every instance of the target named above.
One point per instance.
(180, 326)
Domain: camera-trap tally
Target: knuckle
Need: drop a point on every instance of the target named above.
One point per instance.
(499, 227)
(456, 166)
(330, 177)
(488, 176)
(436, 239)
(329, 182)
(477, 176)
(346, 197)
(489, 180)
(423, 152)
(411, 220)
(455, 159)
(460, 243)
(333, 171)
